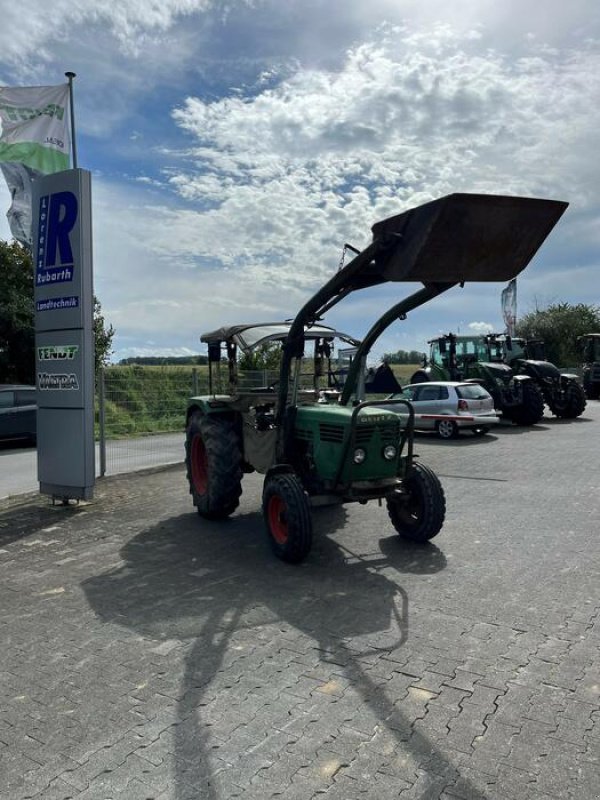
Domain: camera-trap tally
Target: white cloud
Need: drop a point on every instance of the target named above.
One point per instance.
(30, 27)
(479, 328)
(300, 167)
(411, 111)
(340, 121)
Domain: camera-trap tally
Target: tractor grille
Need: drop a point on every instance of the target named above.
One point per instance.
(305, 435)
(389, 433)
(331, 433)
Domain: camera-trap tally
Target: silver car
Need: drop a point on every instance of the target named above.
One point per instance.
(449, 406)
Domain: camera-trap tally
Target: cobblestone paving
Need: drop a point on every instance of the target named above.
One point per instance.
(149, 654)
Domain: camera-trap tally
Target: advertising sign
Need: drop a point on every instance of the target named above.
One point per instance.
(62, 380)
(63, 295)
(62, 257)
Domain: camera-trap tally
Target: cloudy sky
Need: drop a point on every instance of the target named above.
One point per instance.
(235, 145)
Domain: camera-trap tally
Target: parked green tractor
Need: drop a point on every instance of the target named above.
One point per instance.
(590, 349)
(476, 358)
(561, 391)
(513, 370)
(310, 432)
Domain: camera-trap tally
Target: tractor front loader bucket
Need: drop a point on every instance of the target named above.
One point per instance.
(464, 237)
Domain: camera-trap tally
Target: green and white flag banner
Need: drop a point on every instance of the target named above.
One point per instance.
(34, 140)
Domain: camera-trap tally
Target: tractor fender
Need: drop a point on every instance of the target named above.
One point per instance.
(542, 370)
(567, 377)
(522, 378)
(210, 406)
(279, 469)
(421, 376)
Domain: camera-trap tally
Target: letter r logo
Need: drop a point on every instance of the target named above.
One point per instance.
(62, 216)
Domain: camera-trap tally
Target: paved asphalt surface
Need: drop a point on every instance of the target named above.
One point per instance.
(147, 653)
(18, 461)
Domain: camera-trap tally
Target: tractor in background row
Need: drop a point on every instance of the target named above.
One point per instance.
(561, 391)
(314, 437)
(475, 358)
(513, 370)
(590, 349)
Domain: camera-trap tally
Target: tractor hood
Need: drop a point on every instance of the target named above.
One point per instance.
(501, 371)
(544, 369)
(464, 237)
(340, 415)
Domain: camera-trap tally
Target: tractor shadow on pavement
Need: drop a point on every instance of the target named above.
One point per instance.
(26, 519)
(236, 616)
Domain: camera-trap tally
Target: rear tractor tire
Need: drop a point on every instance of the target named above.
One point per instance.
(532, 408)
(420, 377)
(419, 514)
(214, 465)
(288, 519)
(571, 404)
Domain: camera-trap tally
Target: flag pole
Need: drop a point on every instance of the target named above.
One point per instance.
(70, 76)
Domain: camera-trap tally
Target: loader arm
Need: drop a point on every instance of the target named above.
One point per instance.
(455, 239)
(397, 312)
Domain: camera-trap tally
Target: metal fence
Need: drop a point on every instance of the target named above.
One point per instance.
(140, 413)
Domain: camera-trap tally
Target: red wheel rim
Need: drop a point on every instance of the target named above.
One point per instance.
(199, 465)
(276, 513)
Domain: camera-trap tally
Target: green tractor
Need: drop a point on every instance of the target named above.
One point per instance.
(476, 358)
(310, 432)
(590, 348)
(561, 391)
(512, 369)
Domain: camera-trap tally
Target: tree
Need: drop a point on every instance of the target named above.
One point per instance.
(265, 356)
(103, 337)
(17, 332)
(404, 357)
(559, 325)
(17, 323)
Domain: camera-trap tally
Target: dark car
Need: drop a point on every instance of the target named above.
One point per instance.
(18, 412)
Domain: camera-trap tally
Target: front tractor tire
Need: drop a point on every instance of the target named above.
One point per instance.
(288, 519)
(531, 409)
(418, 514)
(570, 404)
(214, 465)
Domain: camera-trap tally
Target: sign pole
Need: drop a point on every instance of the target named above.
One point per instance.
(64, 337)
(70, 76)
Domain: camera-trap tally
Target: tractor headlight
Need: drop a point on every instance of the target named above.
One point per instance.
(389, 452)
(359, 455)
